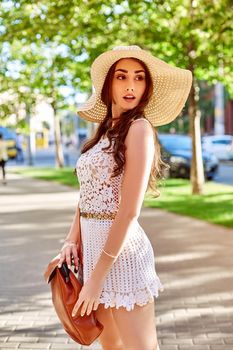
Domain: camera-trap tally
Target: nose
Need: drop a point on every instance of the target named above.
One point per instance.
(130, 89)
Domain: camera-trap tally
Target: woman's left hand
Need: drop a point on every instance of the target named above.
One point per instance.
(88, 297)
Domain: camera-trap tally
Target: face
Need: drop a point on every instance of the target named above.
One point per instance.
(128, 80)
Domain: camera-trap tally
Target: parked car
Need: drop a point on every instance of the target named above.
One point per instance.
(10, 137)
(177, 152)
(220, 145)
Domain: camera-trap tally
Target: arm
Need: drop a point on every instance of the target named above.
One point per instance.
(74, 233)
(139, 157)
(72, 239)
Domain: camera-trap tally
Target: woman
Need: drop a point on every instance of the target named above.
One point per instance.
(134, 91)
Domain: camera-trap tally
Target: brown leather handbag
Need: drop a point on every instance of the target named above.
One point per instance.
(66, 286)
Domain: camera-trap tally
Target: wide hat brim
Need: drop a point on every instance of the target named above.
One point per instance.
(171, 86)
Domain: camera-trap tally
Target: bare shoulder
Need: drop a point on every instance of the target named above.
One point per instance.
(139, 130)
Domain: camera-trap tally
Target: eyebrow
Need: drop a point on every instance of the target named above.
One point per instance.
(125, 71)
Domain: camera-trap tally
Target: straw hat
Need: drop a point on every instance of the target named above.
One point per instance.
(171, 86)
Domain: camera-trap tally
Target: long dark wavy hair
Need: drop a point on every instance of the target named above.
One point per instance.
(120, 129)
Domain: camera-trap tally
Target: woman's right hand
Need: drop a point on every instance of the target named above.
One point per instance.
(69, 250)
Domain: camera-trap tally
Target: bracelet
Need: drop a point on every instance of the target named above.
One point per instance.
(69, 241)
(67, 244)
(112, 256)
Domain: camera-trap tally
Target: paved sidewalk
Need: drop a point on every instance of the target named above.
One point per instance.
(193, 259)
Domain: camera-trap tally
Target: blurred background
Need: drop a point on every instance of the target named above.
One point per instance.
(46, 52)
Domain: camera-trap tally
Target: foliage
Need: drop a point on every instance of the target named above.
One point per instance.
(55, 42)
(84, 29)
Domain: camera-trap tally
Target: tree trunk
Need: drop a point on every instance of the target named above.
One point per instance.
(197, 171)
(30, 149)
(59, 161)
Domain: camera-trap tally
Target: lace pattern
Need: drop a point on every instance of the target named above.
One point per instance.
(98, 192)
(139, 297)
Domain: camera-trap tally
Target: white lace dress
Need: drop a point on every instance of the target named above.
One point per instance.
(132, 278)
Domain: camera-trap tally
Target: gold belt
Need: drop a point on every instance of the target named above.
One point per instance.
(98, 215)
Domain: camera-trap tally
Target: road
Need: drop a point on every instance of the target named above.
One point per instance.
(225, 174)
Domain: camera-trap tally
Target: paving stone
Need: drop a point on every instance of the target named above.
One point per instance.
(3, 339)
(33, 346)
(208, 341)
(55, 340)
(66, 347)
(177, 341)
(22, 339)
(224, 347)
(218, 335)
(228, 341)
(194, 347)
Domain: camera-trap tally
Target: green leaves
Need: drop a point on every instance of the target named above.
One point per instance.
(56, 41)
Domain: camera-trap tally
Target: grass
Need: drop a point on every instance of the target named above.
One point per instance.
(214, 206)
(63, 176)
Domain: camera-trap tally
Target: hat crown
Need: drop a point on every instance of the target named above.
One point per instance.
(127, 48)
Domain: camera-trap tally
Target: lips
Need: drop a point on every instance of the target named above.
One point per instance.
(129, 97)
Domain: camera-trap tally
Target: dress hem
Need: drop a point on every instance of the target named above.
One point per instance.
(129, 300)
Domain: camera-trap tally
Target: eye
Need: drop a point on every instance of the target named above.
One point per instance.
(121, 77)
(140, 77)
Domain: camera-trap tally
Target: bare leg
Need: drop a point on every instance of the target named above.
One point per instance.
(137, 327)
(110, 337)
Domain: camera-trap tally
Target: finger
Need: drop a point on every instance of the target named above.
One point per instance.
(77, 305)
(75, 255)
(68, 260)
(62, 258)
(96, 304)
(84, 307)
(90, 307)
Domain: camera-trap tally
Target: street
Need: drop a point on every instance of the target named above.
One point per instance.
(225, 174)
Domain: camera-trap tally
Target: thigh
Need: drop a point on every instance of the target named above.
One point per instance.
(110, 337)
(137, 327)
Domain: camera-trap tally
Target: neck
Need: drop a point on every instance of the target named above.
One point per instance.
(116, 112)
